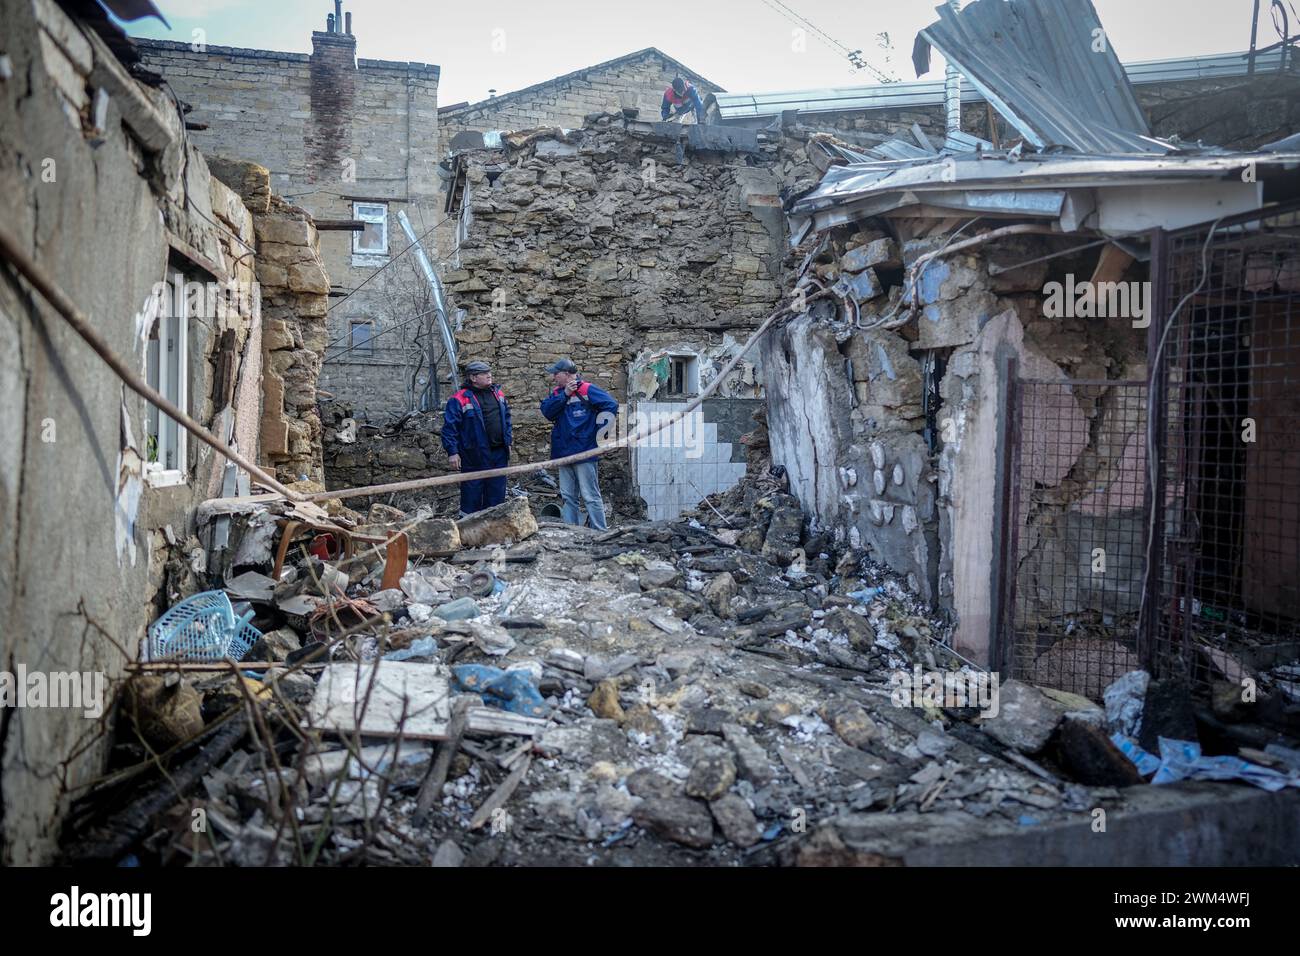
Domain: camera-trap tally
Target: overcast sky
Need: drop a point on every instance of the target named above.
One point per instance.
(742, 45)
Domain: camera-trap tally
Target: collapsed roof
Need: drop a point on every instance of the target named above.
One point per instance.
(1087, 159)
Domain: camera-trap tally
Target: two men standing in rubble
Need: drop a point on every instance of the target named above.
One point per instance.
(477, 433)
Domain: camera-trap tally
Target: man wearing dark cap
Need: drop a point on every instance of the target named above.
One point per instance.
(578, 409)
(476, 434)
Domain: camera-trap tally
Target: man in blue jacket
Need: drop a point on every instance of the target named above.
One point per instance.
(578, 409)
(476, 433)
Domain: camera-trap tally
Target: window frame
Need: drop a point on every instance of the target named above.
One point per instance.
(366, 348)
(690, 376)
(380, 218)
(156, 473)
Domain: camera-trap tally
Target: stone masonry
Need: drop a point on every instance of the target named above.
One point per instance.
(333, 130)
(615, 246)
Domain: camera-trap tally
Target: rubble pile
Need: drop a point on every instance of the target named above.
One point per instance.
(517, 692)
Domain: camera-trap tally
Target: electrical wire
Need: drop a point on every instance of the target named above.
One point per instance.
(826, 39)
(1152, 456)
(390, 261)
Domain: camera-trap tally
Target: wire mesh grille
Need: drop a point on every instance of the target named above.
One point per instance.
(1227, 561)
(1078, 531)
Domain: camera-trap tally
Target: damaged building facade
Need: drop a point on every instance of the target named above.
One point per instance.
(354, 142)
(645, 252)
(1003, 321)
(210, 303)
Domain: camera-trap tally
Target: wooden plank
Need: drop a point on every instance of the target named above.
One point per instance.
(1111, 264)
(500, 795)
(440, 766)
(489, 720)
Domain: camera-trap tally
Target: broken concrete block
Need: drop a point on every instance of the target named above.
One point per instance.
(785, 530)
(1025, 719)
(852, 725)
(1091, 757)
(841, 620)
(503, 524)
(647, 783)
(948, 323)
(880, 252)
(711, 777)
(604, 701)
(448, 854)
(719, 593)
(751, 759)
(653, 578)
(735, 819)
(434, 536)
(678, 819)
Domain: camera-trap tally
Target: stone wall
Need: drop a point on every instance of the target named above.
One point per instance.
(615, 246)
(332, 130)
(87, 544)
(900, 449)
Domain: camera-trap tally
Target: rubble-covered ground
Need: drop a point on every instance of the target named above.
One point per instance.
(716, 690)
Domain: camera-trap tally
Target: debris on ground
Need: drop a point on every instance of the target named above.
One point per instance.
(724, 688)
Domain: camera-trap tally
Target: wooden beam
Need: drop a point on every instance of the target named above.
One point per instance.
(1111, 264)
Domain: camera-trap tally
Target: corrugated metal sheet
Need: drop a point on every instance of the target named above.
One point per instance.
(1047, 67)
(844, 185)
(735, 106)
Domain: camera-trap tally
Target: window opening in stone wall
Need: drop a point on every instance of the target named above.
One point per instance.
(168, 371)
(373, 239)
(683, 375)
(361, 336)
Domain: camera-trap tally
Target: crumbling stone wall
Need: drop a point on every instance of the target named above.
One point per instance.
(104, 211)
(613, 245)
(898, 449)
(1234, 112)
(294, 303)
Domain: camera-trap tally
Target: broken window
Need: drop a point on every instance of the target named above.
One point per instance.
(683, 375)
(361, 335)
(373, 239)
(168, 371)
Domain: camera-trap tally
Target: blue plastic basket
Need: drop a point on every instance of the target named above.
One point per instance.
(202, 628)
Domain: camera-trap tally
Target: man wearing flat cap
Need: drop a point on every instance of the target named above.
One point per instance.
(476, 434)
(577, 409)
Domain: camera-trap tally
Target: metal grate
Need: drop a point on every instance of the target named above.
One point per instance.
(1225, 580)
(1077, 530)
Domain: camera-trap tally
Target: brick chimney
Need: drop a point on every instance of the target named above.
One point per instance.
(328, 136)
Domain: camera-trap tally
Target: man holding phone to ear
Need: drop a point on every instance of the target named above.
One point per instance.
(574, 406)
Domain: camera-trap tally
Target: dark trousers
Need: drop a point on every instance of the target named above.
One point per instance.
(483, 493)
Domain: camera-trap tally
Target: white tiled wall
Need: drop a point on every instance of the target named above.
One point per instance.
(669, 481)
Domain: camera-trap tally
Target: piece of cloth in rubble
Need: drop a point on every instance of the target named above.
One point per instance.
(1183, 760)
(512, 691)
